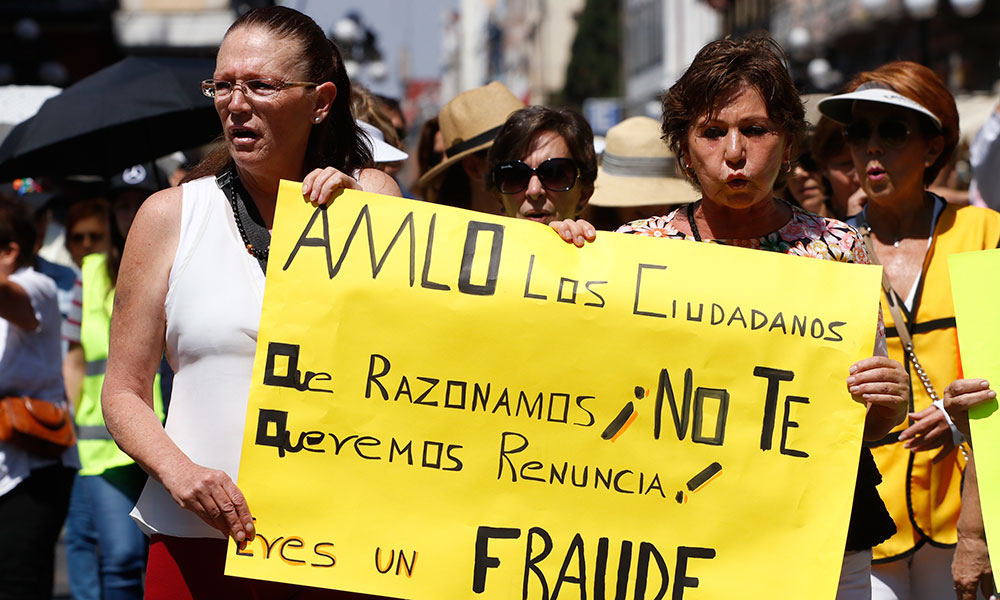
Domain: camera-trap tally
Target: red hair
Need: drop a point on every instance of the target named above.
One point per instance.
(920, 84)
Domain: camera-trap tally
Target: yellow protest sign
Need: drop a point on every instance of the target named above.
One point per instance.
(447, 404)
(974, 293)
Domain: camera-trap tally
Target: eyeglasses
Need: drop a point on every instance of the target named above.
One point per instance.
(259, 89)
(893, 132)
(555, 174)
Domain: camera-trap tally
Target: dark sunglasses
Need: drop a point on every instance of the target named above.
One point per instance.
(892, 132)
(80, 237)
(555, 174)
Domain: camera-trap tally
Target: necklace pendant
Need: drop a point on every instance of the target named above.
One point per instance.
(896, 244)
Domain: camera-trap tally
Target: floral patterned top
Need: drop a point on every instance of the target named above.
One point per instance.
(808, 234)
(805, 234)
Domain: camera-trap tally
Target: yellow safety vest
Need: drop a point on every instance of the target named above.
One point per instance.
(924, 498)
(98, 452)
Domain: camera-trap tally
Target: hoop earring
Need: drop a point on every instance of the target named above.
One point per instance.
(786, 167)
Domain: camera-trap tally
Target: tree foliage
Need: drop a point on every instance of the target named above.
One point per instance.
(595, 65)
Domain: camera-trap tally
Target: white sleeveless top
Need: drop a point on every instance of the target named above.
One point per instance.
(213, 305)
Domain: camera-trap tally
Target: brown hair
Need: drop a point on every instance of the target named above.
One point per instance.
(85, 209)
(426, 156)
(16, 225)
(391, 105)
(368, 108)
(337, 140)
(719, 70)
(518, 134)
(920, 84)
(455, 187)
(827, 140)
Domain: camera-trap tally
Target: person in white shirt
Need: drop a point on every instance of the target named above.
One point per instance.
(34, 490)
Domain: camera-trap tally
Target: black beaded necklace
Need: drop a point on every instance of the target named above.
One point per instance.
(694, 226)
(256, 252)
(249, 222)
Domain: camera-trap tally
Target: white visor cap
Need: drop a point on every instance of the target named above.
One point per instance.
(381, 151)
(839, 107)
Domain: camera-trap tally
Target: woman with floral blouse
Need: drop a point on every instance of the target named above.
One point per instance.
(732, 120)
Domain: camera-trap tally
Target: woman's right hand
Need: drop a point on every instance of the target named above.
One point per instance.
(930, 430)
(963, 394)
(856, 201)
(576, 231)
(212, 495)
(320, 184)
(138, 328)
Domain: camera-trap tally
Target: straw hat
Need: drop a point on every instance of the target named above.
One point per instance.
(637, 168)
(470, 122)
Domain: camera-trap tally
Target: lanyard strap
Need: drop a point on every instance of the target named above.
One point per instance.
(250, 224)
(893, 300)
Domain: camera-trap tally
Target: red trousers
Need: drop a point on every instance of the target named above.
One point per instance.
(192, 569)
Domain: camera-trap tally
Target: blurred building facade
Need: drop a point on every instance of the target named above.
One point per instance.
(54, 42)
(661, 37)
(827, 42)
(173, 26)
(830, 40)
(58, 42)
(523, 43)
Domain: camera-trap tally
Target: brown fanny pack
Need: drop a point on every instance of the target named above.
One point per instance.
(37, 426)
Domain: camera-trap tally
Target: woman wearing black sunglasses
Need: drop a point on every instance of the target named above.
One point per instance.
(732, 119)
(901, 127)
(542, 164)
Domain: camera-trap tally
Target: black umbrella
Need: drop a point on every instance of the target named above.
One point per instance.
(136, 110)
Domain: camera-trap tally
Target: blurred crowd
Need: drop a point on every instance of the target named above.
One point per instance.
(72, 213)
(63, 243)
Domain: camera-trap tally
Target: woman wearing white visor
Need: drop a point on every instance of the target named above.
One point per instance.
(901, 128)
(381, 151)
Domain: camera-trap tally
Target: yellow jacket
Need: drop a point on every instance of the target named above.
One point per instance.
(924, 498)
(98, 452)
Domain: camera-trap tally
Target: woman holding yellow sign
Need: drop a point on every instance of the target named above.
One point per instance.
(732, 119)
(901, 128)
(192, 281)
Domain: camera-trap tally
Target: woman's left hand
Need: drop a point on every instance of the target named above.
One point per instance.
(963, 394)
(321, 184)
(930, 430)
(882, 384)
(576, 232)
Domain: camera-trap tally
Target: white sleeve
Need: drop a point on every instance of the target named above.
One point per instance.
(71, 325)
(41, 291)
